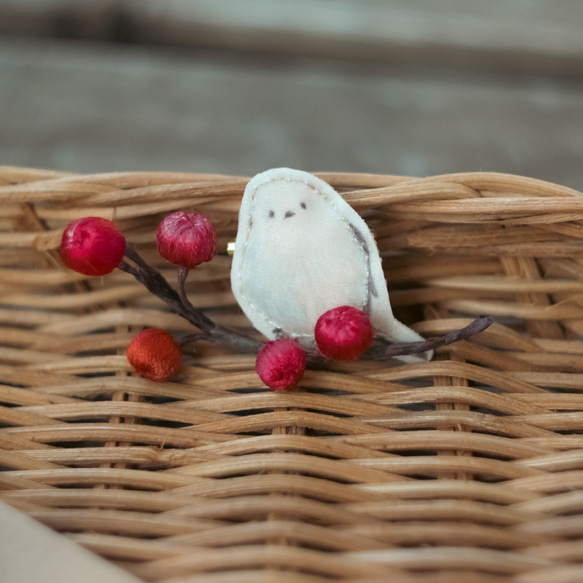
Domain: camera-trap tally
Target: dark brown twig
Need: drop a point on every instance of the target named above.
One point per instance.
(217, 333)
(179, 303)
(155, 283)
(386, 350)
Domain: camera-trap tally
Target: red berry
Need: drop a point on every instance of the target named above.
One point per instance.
(154, 355)
(281, 363)
(92, 246)
(344, 333)
(186, 239)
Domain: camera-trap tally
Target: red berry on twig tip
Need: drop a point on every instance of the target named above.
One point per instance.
(154, 355)
(186, 239)
(281, 363)
(92, 246)
(344, 333)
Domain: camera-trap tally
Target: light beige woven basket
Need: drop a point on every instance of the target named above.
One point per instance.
(465, 469)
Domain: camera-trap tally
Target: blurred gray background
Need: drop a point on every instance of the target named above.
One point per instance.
(412, 87)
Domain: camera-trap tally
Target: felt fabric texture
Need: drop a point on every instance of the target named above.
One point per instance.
(302, 250)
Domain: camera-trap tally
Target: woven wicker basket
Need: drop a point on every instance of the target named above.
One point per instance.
(465, 469)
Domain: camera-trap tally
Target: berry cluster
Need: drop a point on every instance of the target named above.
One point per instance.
(95, 246)
(343, 333)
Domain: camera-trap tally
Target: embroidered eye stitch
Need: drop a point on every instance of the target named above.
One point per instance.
(306, 270)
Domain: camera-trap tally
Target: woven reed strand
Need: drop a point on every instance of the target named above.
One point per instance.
(468, 468)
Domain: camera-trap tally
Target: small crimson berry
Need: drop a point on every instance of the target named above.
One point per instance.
(186, 239)
(343, 333)
(281, 363)
(92, 246)
(154, 355)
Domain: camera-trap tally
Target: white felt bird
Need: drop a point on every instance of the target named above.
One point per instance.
(302, 250)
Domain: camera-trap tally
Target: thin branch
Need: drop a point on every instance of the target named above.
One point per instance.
(202, 322)
(179, 303)
(386, 349)
(191, 339)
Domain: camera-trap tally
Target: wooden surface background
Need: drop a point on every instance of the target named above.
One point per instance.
(237, 86)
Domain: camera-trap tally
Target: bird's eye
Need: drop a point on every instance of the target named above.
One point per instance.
(303, 205)
(271, 214)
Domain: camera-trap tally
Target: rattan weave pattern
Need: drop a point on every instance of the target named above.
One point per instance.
(465, 469)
